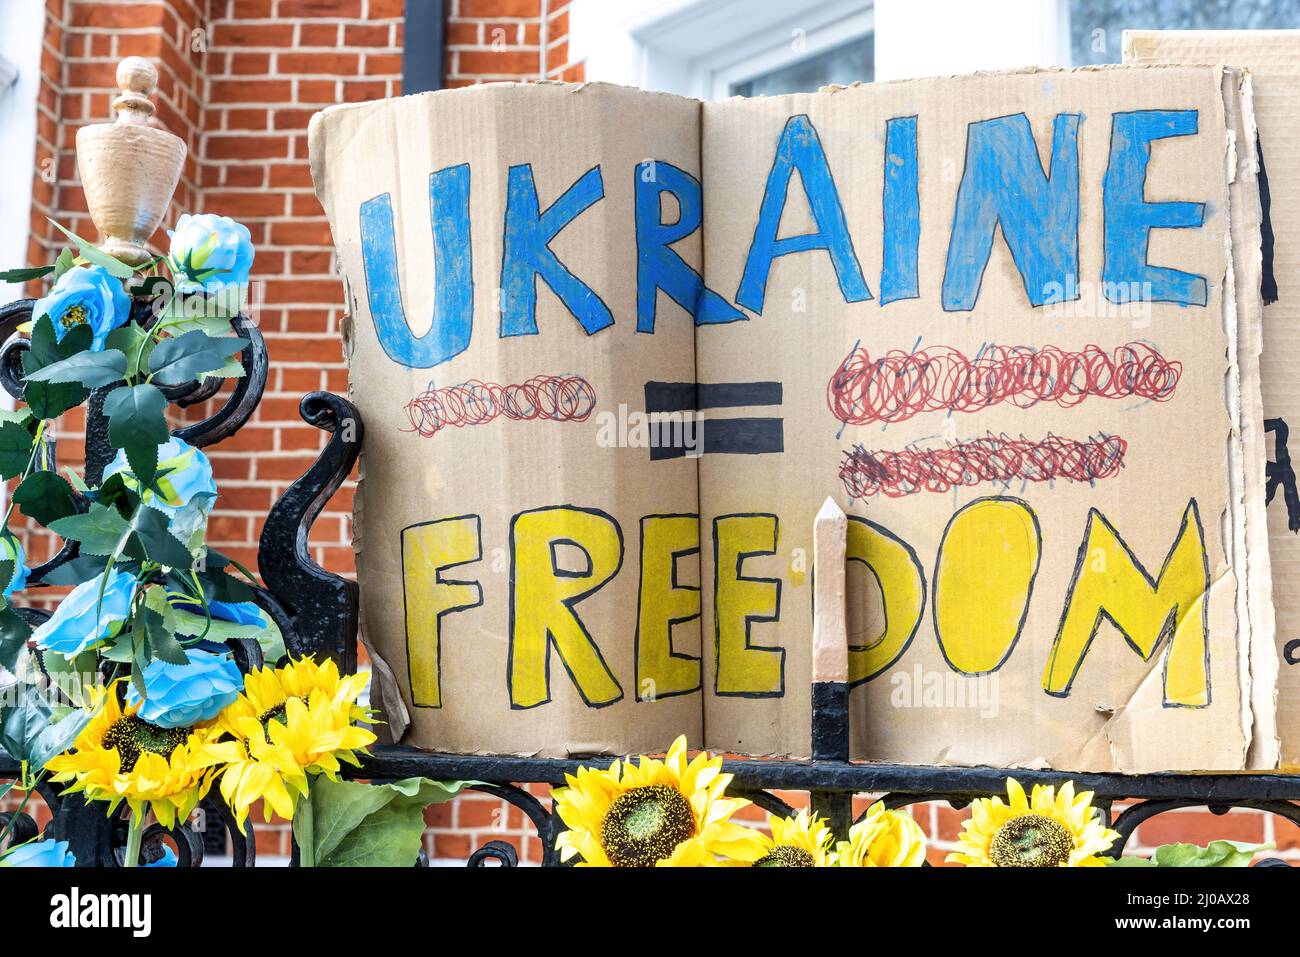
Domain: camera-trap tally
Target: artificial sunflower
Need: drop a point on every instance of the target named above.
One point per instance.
(800, 841)
(883, 838)
(1051, 829)
(288, 723)
(669, 813)
(120, 757)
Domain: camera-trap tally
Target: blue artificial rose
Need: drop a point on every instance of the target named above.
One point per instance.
(181, 696)
(210, 253)
(188, 476)
(12, 550)
(75, 626)
(238, 612)
(39, 854)
(85, 296)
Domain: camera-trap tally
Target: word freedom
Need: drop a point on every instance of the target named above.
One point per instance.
(978, 597)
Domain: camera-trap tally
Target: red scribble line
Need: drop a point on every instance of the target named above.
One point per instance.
(561, 398)
(899, 385)
(994, 458)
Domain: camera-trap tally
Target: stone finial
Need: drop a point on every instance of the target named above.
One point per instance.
(136, 78)
(129, 169)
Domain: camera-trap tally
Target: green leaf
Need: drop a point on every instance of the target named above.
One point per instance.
(46, 497)
(1214, 854)
(93, 254)
(179, 317)
(177, 361)
(30, 732)
(64, 262)
(159, 643)
(14, 635)
(45, 347)
(49, 400)
(137, 424)
(25, 275)
(220, 586)
(152, 529)
(196, 625)
(80, 569)
(68, 675)
(15, 449)
(99, 531)
(368, 825)
(134, 342)
(90, 369)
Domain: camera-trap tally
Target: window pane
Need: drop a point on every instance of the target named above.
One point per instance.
(846, 63)
(1097, 26)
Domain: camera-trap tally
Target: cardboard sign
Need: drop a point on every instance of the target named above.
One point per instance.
(1271, 58)
(614, 349)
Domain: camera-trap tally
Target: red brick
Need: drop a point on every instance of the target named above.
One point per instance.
(318, 35)
(250, 64)
(236, 34)
(383, 63)
(499, 8)
(496, 62)
(366, 35)
(1200, 827)
(344, 9)
(251, 9)
(94, 75)
(116, 16)
(302, 234)
(462, 33)
(251, 91)
(240, 205)
(452, 846)
(301, 438)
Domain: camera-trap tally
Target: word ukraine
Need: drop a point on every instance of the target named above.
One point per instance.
(1004, 185)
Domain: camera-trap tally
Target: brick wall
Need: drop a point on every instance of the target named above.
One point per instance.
(239, 80)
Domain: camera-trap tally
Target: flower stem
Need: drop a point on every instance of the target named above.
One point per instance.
(306, 830)
(134, 832)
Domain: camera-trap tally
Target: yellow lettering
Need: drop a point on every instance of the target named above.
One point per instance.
(1109, 583)
(662, 603)
(739, 601)
(983, 579)
(427, 551)
(543, 596)
(901, 580)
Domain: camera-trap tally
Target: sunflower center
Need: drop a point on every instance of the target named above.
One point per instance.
(278, 713)
(783, 855)
(131, 736)
(645, 825)
(73, 316)
(1031, 840)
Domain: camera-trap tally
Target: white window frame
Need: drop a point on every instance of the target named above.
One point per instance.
(700, 48)
(719, 73)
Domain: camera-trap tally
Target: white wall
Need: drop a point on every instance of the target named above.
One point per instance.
(22, 30)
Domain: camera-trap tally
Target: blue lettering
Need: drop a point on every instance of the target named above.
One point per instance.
(800, 149)
(1004, 184)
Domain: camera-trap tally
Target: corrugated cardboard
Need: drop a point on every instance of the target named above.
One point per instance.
(498, 527)
(1273, 61)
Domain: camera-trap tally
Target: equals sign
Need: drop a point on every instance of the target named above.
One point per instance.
(730, 436)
